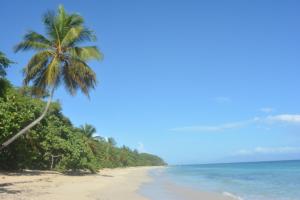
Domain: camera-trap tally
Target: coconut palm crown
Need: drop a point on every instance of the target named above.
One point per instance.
(59, 58)
(88, 130)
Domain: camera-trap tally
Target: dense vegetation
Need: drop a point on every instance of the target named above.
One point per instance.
(55, 143)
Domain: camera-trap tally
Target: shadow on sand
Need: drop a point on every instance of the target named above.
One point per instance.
(27, 173)
(3, 189)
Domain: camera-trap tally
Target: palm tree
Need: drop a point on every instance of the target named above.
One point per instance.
(88, 130)
(58, 58)
(4, 63)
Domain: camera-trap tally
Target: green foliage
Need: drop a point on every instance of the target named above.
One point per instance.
(4, 86)
(149, 160)
(4, 63)
(55, 143)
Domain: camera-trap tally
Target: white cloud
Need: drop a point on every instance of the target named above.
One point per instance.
(141, 147)
(223, 99)
(267, 110)
(215, 128)
(287, 118)
(283, 118)
(268, 150)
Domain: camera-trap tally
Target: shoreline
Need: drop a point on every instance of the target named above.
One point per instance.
(108, 184)
(162, 188)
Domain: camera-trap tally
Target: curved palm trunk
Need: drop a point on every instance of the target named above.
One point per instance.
(32, 124)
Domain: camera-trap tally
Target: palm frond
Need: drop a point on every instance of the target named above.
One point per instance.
(70, 85)
(4, 63)
(49, 22)
(36, 37)
(82, 76)
(72, 35)
(86, 35)
(52, 72)
(75, 20)
(39, 81)
(61, 19)
(88, 130)
(36, 64)
(86, 53)
(31, 45)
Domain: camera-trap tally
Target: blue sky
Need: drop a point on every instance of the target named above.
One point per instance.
(191, 81)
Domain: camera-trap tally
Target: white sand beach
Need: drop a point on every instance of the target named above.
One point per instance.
(108, 184)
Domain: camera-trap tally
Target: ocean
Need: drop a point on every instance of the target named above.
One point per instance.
(276, 180)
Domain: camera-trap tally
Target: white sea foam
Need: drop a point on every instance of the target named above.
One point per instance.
(228, 194)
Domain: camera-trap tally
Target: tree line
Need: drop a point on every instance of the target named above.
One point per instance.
(55, 143)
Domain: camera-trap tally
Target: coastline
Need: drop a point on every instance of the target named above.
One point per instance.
(108, 184)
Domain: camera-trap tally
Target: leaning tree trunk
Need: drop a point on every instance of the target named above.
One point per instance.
(32, 124)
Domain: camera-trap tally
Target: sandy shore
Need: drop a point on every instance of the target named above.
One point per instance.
(109, 184)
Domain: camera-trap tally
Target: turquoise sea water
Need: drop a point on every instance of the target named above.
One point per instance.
(278, 180)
